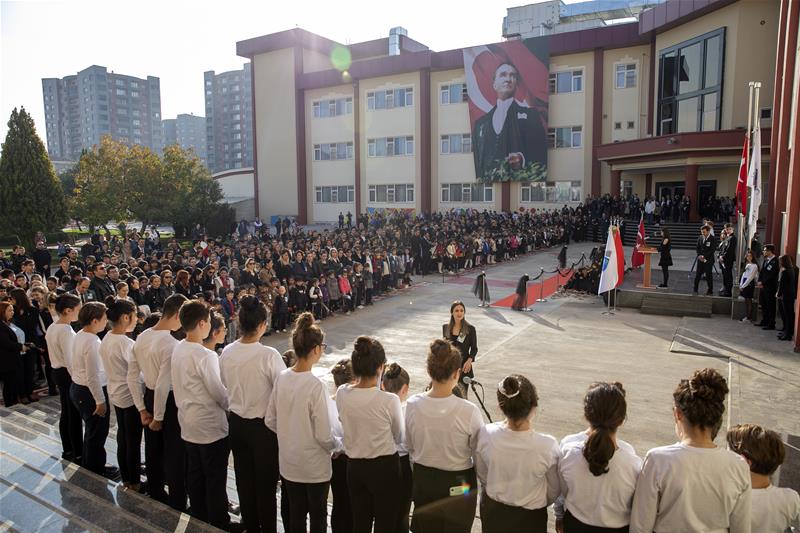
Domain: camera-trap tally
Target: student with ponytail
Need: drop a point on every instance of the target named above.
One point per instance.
(249, 371)
(116, 350)
(694, 485)
(598, 471)
(396, 380)
(372, 422)
(517, 466)
(300, 414)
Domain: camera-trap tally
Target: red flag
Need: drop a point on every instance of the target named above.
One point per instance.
(637, 257)
(741, 185)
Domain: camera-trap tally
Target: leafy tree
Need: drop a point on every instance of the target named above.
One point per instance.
(31, 198)
(149, 195)
(197, 194)
(100, 184)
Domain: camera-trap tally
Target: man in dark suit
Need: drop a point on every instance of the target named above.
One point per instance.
(509, 132)
(727, 258)
(768, 287)
(706, 246)
(101, 286)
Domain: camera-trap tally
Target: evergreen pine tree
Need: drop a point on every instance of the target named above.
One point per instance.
(31, 198)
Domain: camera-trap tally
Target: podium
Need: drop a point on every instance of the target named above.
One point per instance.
(648, 252)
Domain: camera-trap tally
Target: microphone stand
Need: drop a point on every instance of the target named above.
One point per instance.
(480, 401)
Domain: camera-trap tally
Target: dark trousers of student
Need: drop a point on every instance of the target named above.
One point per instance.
(207, 477)
(406, 483)
(307, 499)
(255, 461)
(12, 384)
(768, 306)
(704, 268)
(28, 371)
(498, 517)
(435, 510)
(787, 316)
(573, 525)
(165, 456)
(129, 444)
(727, 278)
(375, 489)
(93, 456)
(341, 511)
(70, 424)
(665, 273)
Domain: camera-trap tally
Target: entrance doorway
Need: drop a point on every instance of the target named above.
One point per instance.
(670, 188)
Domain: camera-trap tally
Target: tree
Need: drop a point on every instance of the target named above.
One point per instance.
(31, 198)
(99, 184)
(149, 195)
(197, 194)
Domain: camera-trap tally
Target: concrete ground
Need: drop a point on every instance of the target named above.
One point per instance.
(567, 342)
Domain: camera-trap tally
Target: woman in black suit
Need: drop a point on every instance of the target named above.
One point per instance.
(11, 352)
(463, 336)
(26, 317)
(787, 291)
(665, 259)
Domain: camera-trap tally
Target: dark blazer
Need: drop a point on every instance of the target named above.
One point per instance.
(768, 275)
(468, 347)
(786, 285)
(706, 248)
(10, 349)
(665, 251)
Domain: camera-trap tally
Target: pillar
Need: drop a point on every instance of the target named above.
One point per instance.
(300, 139)
(616, 182)
(648, 184)
(425, 140)
(505, 196)
(597, 119)
(690, 182)
(357, 146)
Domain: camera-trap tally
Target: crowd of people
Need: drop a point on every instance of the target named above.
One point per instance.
(668, 208)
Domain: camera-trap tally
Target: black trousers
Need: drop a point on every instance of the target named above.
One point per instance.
(498, 517)
(573, 525)
(406, 484)
(28, 371)
(129, 444)
(93, 456)
(12, 385)
(341, 511)
(165, 456)
(70, 424)
(207, 477)
(435, 510)
(255, 461)
(727, 278)
(768, 306)
(704, 268)
(787, 315)
(375, 489)
(307, 499)
(665, 273)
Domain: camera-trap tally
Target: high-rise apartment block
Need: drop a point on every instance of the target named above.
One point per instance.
(80, 109)
(188, 131)
(229, 119)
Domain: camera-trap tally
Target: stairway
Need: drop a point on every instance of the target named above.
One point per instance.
(676, 305)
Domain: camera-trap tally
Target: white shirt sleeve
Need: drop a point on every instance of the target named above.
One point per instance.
(209, 371)
(645, 500)
(740, 516)
(134, 381)
(409, 443)
(321, 422)
(162, 389)
(94, 367)
(271, 419)
(553, 477)
(475, 425)
(481, 468)
(398, 424)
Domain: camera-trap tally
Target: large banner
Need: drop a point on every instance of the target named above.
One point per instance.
(507, 90)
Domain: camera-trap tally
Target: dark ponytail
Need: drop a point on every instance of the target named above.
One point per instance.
(368, 356)
(116, 308)
(306, 335)
(605, 408)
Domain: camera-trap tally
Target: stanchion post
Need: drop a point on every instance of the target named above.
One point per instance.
(541, 287)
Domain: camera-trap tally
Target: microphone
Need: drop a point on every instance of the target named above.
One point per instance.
(466, 380)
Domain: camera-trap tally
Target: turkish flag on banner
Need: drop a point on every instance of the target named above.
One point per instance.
(637, 257)
(741, 185)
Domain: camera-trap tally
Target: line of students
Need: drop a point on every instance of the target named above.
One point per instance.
(281, 424)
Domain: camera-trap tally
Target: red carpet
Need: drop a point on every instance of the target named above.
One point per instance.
(551, 285)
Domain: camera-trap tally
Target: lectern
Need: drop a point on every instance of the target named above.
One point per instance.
(648, 252)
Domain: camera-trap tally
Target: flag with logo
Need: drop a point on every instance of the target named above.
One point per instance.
(754, 184)
(637, 257)
(741, 184)
(613, 268)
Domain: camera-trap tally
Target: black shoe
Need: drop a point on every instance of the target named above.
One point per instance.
(759, 324)
(768, 328)
(709, 293)
(725, 294)
(785, 338)
(662, 286)
(694, 293)
(112, 473)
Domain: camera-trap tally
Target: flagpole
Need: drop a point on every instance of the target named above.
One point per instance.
(740, 218)
(752, 231)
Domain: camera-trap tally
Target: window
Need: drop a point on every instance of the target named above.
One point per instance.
(459, 143)
(618, 125)
(626, 76)
(121, 92)
(568, 137)
(390, 146)
(551, 192)
(399, 193)
(390, 98)
(237, 116)
(570, 81)
(333, 151)
(631, 125)
(454, 93)
(332, 108)
(690, 88)
(466, 193)
(335, 194)
(119, 82)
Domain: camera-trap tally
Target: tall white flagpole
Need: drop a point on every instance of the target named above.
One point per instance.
(740, 218)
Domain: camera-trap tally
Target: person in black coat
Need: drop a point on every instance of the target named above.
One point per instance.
(706, 246)
(787, 292)
(26, 318)
(665, 256)
(464, 337)
(727, 258)
(768, 287)
(521, 301)
(101, 285)
(11, 352)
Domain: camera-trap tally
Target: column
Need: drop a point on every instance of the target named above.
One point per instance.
(648, 184)
(300, 139)
(597, 119)
(425, 140)
(616, 182)
(690, 182)
(505, 196)
(357, 147)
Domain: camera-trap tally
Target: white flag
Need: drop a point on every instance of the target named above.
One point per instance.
(613, 268)
(754, 184)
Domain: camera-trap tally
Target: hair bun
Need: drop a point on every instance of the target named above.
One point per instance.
(110, 301)
(510, 385)
(392, 370)
(362, 345)
(707, 384)
(304, 321)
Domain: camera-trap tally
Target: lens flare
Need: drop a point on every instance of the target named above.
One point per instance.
(341, 58)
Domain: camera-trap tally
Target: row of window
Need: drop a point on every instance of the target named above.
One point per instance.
(390, 146)
(552, 192)
(454, 93)
(335, 194)
(333, 151)
(390, 98)
(459, 143)
(567, 137)
(390, 194)
(467, 193)
(333, 108)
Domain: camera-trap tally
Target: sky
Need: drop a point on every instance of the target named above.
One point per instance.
(178, 40)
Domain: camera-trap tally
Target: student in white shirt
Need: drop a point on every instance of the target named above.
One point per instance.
(341, 511)
(60, 338)
(249, 371)
(441, 432)
(89, 393)
(202, 402)
(774, 509)
(116, 351)
(396, 380)
(694, 485)
(517, 466)
(217, 333)
(300, 414)
(598, 471)
(164, 451)
(372, 422)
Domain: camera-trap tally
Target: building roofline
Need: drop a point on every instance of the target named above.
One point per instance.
(673, 13)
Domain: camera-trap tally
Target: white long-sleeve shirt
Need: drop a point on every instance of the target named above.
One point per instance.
(442, 432)
(200, 396)
(60, 340)
(87, 367)
(116, 352)
(303, 416)
(372, 421)
(152, 355)
(249, 372)
(683, 488)
(749, 275)
(775, 509)
(517, 468)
